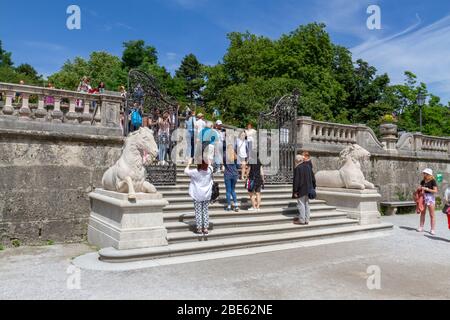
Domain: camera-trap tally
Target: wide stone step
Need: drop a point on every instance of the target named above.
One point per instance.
(173, 194)
(221, 213)
(244, 204)
(217, 245)
(258, 230)
(184, 185)
(241, 197)
(232, 222)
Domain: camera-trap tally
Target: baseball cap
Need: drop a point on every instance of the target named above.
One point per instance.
(428, 171)
(219, 123)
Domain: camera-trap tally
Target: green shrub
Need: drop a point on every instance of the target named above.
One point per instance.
(50, 242)
(15, 243)
(1, 247)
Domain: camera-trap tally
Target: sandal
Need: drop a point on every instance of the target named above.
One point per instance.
(199, 232)
(205, 232)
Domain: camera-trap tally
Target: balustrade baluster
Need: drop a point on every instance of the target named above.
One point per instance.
(40, 112)
(25, 111)
(72, 116)
(86, 116)
(8, 108)
(57, 114)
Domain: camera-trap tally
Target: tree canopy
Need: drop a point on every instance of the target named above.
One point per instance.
(254, 71)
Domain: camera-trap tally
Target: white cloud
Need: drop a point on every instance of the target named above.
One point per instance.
(42, 45)
(424, 51)
(171, 56)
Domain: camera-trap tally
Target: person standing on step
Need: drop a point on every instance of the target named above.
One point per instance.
(429, 186)
(200, 190)
(255, 184)
(242, 153)
(304, 182)
(231, 176)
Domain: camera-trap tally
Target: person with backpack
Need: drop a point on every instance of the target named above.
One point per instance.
(430, 189)
(135, 118)
(304, 185)
(200, 190)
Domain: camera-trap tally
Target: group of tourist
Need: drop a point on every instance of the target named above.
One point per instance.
(238, 165)
(239, 162)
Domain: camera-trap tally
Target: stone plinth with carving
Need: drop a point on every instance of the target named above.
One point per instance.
(123, 224)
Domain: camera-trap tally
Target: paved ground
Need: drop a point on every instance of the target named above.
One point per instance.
(413, 266)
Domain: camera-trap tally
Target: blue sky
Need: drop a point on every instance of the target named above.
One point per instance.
(415, 34)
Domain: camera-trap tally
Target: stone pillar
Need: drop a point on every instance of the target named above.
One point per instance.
(304, 127)
(117, 223)
(8, 108)
(24, 111)
(389, 135)
(41, 113)
(110, 115)
(57, 114)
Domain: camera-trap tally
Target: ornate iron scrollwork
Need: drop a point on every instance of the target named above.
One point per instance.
(283, 118)
(144, 92)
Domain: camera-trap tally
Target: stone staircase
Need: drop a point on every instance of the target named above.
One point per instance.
(243, 229)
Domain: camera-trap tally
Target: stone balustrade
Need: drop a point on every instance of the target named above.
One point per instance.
(60, 106)
(323, 132)
(324, 136)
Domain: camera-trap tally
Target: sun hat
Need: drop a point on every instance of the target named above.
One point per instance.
(200, 115)
(428, 171)
(219, 123)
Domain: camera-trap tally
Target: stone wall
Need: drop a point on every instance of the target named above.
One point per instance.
(44, 181)
(395, 164)
(50, 159)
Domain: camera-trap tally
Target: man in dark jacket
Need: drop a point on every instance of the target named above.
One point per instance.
(304, 182)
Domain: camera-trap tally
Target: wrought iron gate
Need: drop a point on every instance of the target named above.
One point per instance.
(143, 91)
(282, 119)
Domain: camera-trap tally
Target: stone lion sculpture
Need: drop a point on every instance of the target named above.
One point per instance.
(350, 175)
(128, 174)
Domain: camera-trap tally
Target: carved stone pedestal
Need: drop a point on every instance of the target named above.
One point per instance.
(359, 204)
(118, 223)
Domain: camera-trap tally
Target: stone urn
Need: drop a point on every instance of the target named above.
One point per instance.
(389, 130)
(389, 135)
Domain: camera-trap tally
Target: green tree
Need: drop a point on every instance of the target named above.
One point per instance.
(5, 57)
(29, 71)
(190, 76)
(136, 53)
(101, 66)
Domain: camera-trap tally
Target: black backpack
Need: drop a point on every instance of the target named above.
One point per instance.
(215, 190)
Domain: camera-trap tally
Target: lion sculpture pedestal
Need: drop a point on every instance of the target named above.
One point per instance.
(127, 213)
(360, 205)
(118, 223)
(347, 188)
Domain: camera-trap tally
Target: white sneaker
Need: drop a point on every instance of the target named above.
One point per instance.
(252, 209)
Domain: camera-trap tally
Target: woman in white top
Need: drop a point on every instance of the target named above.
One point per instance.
(200, 190)
(242, 153)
